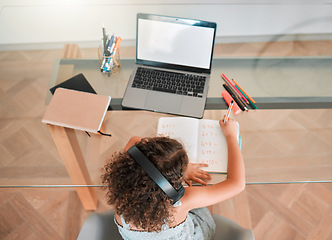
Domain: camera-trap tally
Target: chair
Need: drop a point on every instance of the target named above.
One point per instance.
(101, 226)
(227, 229)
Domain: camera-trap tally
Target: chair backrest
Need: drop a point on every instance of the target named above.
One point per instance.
(227, 229)
(101, 226)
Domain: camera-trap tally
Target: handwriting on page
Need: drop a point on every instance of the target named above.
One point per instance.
(167, 130)
(183, 130)
(212, 144)
(203, 140)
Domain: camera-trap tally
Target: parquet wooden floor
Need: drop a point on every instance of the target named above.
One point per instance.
(281, 211)
(28, 154)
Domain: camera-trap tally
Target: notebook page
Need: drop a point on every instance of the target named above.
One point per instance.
(182, 129)
(212, 146)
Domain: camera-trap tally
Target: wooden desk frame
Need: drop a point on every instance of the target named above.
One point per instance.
(69, 149)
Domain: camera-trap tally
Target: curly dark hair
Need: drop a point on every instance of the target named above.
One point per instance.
(133, 193)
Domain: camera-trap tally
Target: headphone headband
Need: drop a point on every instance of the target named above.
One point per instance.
(156, 175)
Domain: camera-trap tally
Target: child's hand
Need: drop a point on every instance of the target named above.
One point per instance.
(195, 174)
(230, 128)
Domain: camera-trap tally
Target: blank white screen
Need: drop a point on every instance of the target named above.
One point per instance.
(174, 43)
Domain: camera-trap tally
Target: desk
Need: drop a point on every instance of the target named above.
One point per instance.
(274, 83)
(292, 145)
(272, 156)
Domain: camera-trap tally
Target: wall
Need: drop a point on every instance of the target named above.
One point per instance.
(37, 24)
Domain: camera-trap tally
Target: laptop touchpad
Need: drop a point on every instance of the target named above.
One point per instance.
(163, 102)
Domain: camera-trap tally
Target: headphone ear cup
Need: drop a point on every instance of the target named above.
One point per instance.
(156, 175)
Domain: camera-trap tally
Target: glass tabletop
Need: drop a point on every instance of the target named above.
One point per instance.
(278, 146)
(288, 139)
(274, 82)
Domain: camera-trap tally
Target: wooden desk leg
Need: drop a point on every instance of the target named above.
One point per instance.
(67, 144)
(71, 51)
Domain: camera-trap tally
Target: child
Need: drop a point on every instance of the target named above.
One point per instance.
(144, 211)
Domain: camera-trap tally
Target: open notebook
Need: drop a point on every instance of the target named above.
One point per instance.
(203, 140)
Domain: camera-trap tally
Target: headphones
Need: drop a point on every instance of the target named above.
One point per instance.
(156, 175)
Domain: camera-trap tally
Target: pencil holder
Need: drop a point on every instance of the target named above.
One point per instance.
(109, 64)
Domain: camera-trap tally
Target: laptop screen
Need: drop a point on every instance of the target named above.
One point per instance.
(178, 43)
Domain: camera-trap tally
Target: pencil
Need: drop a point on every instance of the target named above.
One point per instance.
(232, 90)
(235, 89)
(235, 97)
(250, 102)
(229, 111)
(243, 91)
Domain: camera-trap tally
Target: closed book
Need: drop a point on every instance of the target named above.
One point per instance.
(78, 110)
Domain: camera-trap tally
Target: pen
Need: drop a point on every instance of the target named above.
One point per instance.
(229, 111)
(236, 84)
(110, 44)
(110, 64)
(117, 44)
(250, 102)
(104, 39)
(113, 44)
(234, 91)
(235, 97)
(234, 88)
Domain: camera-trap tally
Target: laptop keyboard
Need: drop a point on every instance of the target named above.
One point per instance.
(170, 82)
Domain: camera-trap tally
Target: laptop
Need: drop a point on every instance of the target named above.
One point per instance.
(173, 65)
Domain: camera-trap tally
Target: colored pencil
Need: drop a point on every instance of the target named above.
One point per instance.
(234, 88)
(229, 111)
(235, 97)
(250, 102)
(243, 91)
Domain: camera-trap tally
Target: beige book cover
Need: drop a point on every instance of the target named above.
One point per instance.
(78, 110)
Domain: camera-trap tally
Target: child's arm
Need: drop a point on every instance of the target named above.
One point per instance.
(201, 196)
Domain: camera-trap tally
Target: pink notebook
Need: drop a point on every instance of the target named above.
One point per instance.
(78, 110)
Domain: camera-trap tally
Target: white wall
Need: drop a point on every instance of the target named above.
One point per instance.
(46, 24)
